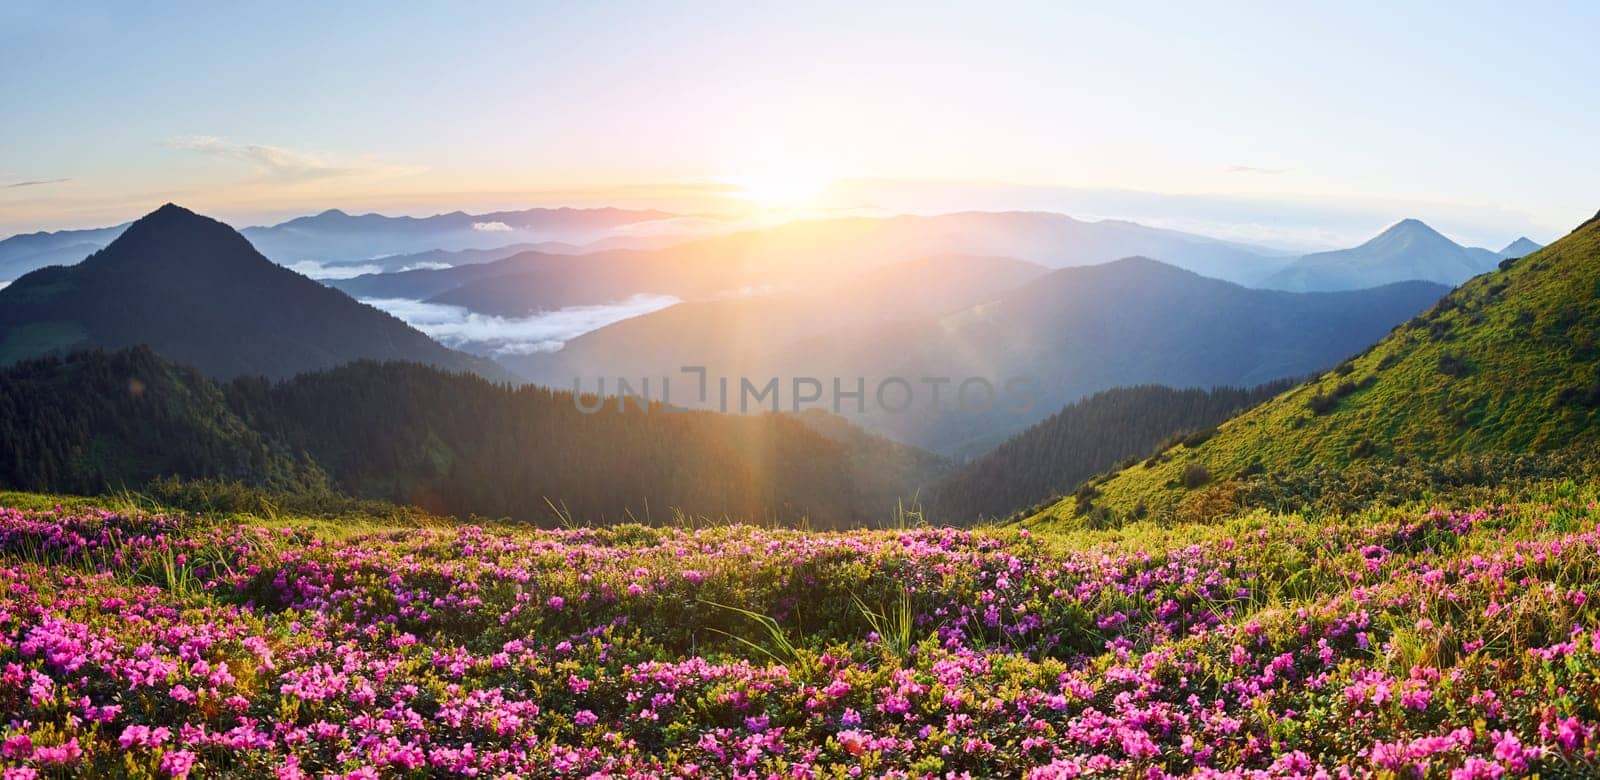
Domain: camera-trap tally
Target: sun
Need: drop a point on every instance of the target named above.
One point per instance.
(782, 188)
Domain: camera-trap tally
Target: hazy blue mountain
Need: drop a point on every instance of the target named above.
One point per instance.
(1408, 250)
(425, 283)
(1522, 247)
(196, 291)
(23, 253)
(337, 237)
(441, 258)
(433, 259)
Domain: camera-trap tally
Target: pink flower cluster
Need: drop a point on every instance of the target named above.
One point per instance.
(1451, 644)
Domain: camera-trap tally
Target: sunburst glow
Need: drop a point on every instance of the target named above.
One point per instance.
(783, 188)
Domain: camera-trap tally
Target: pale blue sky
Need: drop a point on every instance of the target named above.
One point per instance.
(1479, 115)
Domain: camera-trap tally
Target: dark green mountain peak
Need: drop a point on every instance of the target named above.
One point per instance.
(197, 292)
(175, 239)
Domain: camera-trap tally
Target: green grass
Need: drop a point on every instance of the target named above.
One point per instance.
(340, 520)
(1509, 362)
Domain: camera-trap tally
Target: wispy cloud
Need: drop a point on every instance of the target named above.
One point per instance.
(1251, 169)
(276, 162)
(492, 227)
(35, 182)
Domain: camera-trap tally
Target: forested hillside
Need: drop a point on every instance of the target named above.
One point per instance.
(1083, 439)
(95, 421)
(451, 443)
(457, 443)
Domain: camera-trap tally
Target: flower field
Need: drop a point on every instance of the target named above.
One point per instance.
(1418, 643)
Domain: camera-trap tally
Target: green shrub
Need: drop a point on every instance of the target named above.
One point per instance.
(1453, 365)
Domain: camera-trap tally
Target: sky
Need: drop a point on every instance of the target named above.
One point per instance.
(1288, 123)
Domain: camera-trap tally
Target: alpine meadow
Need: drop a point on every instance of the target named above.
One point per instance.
(822, 391)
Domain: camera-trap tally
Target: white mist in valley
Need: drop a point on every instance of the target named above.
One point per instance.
(545, 331)
(335, 271)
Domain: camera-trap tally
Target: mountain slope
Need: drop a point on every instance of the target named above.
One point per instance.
(1407, 250)
(197, 292)
(1507, 363)
(1083, 439)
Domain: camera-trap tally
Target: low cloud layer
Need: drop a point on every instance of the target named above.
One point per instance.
(492, 227)
(548, 331)
(322, 271)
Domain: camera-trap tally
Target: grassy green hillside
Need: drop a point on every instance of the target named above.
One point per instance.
(1507, 363)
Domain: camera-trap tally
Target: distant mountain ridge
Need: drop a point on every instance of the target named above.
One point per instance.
(199, 293)
(335, 237)
(795, 255)
(428, 283)
(1408, 250)
(434, 259)
(376, 244)
(1048, 239)
(22, 253)
(1521, 247)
